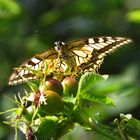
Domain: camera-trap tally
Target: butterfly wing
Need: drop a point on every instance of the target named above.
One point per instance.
(89, 53)
(84, 54)
(29, 70)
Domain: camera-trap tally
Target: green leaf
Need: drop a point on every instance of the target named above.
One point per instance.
(64, 126)
(33, 87)
(105, 131)
(88, 85)
(89, 81)
(134, 16)
(46, 127)
(99, 99)
(132, 128)
(9, 9)
(89, 123)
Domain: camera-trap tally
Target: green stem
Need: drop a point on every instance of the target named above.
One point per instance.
(121, 133)
(16, 131)
(86, 119)
(100, 131)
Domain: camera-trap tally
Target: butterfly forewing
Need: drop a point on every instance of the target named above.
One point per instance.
(29, 70)
(89, 53)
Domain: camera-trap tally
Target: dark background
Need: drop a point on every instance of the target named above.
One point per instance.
(28, 27)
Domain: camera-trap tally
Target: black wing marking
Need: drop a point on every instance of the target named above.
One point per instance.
(28, 70)
(89, 53)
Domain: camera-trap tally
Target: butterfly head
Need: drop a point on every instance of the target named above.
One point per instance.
(58, 45)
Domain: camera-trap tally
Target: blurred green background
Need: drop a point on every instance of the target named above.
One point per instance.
(28, 27)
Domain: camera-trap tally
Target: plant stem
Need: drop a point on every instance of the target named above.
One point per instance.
(121, 133)
(93, 125)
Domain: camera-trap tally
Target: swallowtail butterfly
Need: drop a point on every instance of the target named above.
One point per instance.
(66, 58)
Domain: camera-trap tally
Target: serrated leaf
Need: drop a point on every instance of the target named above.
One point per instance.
(69, 99)
(98, 99)
(87, 84)
(88, 81)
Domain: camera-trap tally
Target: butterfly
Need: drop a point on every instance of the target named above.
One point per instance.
(68, 58)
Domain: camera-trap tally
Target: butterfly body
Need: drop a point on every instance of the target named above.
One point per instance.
(63, 54)
(67, 59)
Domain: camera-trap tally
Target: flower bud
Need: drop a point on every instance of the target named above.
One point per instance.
(46, 127)
(70, 86)
(53, 104)
(54, 85)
